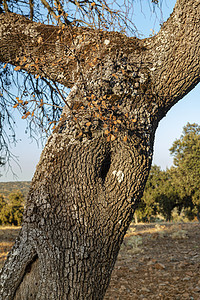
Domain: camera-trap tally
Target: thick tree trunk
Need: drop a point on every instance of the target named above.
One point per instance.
(86, 187)
(80, 205)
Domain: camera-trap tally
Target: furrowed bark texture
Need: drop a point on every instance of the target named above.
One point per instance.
(86, 188)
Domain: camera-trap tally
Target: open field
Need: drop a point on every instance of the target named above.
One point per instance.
(155, 262)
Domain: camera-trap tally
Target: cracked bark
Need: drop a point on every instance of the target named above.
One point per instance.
(84, 191)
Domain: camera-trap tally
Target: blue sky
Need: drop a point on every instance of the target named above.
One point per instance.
(170, 128)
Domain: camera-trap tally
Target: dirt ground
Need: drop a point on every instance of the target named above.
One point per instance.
(162, 263)
(155, 262)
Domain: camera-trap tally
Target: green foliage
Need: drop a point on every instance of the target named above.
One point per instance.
(186, 170)
(178, 187)
(160, 196)
(147, 209)
(11, 212)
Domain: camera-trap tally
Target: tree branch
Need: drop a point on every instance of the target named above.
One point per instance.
(54, 51)
(175, 53)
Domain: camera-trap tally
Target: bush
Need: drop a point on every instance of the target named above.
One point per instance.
(11, 212)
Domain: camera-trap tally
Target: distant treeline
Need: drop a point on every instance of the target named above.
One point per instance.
(9, 187)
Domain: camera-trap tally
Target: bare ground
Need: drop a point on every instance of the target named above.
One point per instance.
(155, 262)
(166, 264)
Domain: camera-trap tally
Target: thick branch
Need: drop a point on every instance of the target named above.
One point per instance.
(175, 53)
(60, 54)
(39, 49)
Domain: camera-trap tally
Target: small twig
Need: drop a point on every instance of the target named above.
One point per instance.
(31, 5)
(5, 6)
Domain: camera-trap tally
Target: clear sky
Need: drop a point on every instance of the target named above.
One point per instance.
(170, 128)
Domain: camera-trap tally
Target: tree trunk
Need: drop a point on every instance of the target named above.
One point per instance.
(87, 183)
(79, 207)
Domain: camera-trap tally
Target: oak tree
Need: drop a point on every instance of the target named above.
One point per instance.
(94, 167)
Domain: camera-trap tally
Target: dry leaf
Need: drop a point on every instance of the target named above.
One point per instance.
(40, 40)
(125, 138)
(112, 137)
(104, 103)
(17, 68)
(106, 131)
(114, 75)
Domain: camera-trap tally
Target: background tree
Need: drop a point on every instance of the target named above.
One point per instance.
(160, 196)
(148, 208)
(12, 212)
(94, 167)
(167, 197)
(186, 171)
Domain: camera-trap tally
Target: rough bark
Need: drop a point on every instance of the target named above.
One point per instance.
(85, 188)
